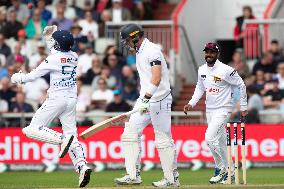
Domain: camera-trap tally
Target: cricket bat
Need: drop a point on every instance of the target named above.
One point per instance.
(104, 124)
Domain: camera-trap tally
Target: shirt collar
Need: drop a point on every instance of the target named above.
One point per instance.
(142, 45)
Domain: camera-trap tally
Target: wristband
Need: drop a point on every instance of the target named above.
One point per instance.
(152, 89)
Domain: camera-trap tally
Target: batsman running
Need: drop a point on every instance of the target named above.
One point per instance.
(218, 81)
(154, 105)
(61, 101)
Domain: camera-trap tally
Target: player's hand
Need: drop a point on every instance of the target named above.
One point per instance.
(186, 108)
(17, 78)
(243, 115)
(48, 31)
(144, 106)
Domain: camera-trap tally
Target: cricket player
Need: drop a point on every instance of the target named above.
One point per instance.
(61, 101)
(218, 81)
(154, 105)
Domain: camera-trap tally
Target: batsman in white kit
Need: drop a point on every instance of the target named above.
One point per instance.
(218, 81)
(61, 101)
(154, 105)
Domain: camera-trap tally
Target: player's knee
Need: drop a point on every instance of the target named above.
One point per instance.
(163, 140)
(130, 133)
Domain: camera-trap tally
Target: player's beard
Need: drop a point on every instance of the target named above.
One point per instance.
(210, 61)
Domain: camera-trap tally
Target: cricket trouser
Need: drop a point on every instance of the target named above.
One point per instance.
(65, 109)
(215, 137)
(160, 117)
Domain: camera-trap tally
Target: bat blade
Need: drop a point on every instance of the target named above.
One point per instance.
(104, 124)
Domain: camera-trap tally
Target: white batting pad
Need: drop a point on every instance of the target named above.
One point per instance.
(43, 134)
(130, 144)
(77, 155)
(167, 154)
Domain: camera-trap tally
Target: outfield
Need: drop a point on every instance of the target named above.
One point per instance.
(257, 178)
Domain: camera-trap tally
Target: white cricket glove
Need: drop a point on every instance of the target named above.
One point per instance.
(17, 78)
(144, 106)
(47, 34)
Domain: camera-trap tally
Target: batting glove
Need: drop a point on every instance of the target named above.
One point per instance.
(48, 31)
(17, 78)
(144, 106)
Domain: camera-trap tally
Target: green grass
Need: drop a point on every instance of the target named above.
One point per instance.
(257, 178)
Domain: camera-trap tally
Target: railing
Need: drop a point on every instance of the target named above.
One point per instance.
(258, 34)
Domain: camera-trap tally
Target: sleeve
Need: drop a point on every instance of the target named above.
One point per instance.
(155, 58)
(233, 78)
(44, 68)
(198, 92)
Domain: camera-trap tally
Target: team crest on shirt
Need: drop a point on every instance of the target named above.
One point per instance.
(63, 60)
(216, 79)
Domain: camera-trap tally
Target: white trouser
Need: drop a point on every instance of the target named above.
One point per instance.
(160, 117)
(65, 109)
(215, 136)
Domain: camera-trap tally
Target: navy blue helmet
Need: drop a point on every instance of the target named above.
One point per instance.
(63, 40)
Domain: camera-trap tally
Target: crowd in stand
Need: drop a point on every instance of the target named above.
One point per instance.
(105, 82)
(263, 77)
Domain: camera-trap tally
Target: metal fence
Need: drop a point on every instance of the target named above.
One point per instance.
(259, 32)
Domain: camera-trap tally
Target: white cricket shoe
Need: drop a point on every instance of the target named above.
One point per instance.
(85, 174)
(219, 175)
(225, 179)
(127, 181)
(66, 142)
(164, 183)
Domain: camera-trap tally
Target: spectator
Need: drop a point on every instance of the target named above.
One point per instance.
(3, 106)
(60, 21)
(90, 27)
(101, 5)
(12, 26)
(3, 69)
(28, 48)
(69, 11)
(45, 14)
(115, 66)
(105, 17)
(255, 105)
(130, 92)
(128, 75)
(3, 20)
(85, 60)
(280, 75)
(274, 97)
(238, 64)
(84, 100)
(22, 10)
(250, 33)
(6, 93)
(38, 57)
(119, 13)
(102, 95)
(35, 25)
(265, 64)
(4, 48)
(17, 58)
(79, 39)
(118, 104)
(88, 7)
(277, 55)
(94, 71)
(106, 75)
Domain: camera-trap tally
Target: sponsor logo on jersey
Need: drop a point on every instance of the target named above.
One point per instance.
(63, 60)
(213, 90)
(203, 76)
(217, 79)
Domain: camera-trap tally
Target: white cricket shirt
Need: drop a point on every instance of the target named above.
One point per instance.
(62, 68)
(219, 82)
(147, 53)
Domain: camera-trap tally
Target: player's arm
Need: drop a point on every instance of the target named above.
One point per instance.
(40, 71)
(198, 92)
(233, 78)
(156, 70)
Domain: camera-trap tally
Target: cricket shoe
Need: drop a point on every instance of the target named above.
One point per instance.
(126, 180)
(226, 181)
(66, 143)
(164, 183)
(219, 175)
(85, 174)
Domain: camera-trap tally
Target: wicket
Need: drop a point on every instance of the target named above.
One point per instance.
(236, 158)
